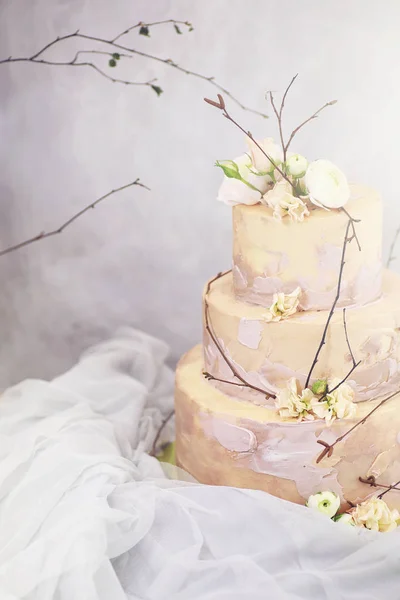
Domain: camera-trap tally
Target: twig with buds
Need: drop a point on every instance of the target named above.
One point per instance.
(43, 234)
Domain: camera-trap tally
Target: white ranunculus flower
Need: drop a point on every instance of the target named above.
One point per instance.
(283, 305)
(283, 203)
(296, 165)
(241, 186)
(327, 503)
(326, 185)
(345, 518)
(259, 160)
(375, 514)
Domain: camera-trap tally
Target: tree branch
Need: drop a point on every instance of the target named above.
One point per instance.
(126, 51)
(328, 450)
(391, 256)
(43, 235)
(332, 310)
(314, 116)
(221, 106)
(279, 114)
(148, 25)
(153, 450)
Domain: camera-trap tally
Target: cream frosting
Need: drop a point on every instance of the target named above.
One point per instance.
(221, 440)
(272, 256)
(279, 351)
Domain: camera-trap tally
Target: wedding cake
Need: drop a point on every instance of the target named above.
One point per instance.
(293, 390)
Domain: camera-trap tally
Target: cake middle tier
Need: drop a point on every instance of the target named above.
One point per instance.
(267, 354)
(277, 256)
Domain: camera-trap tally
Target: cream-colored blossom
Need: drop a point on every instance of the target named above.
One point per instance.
(292, 404)
(283, 305)
(345, 518)
(260, 162)
(284, 204)
(327, 503)
(375, 514)
(242, 186)
(326, 185)
(341, 400)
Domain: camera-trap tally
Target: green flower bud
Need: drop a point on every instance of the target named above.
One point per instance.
(319, 387)
(296, 165)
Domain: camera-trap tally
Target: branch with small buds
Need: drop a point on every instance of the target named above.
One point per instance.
(115, 51)
(60, 229)
(278, 114)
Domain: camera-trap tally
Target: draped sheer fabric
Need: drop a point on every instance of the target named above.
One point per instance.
(86, 513)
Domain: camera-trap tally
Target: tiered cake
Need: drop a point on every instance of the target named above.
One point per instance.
(230, 425)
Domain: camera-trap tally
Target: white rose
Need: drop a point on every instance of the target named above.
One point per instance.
(283, 305)
(283, 203)
(241, 186)
(326, 184)
(296, 165)
(260, 162)
(375, 514)
(327, 503)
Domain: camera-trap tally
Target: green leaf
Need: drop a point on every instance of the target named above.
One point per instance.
(177, 29)
(144, 30)
(112, 63)
(157, 89)
(168, 454)
(116, 56)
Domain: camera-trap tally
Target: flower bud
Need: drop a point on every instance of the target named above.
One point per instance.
(296, 166)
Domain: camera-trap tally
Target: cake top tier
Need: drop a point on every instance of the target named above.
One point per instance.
(273, 256)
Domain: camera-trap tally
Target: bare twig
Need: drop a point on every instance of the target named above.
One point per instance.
(314, 116)
(280, 112)
(347, 337)
(153, 451)
(328, 450)
(332, 310)
(221, 106)
(43, 235)
(117, 49)
(391, 256)
(353, 221)
(210, 331)
(373, 483)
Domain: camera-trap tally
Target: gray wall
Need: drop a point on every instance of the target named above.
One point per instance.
(68, 136)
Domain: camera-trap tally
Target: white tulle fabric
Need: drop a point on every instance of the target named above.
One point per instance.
(86, 513)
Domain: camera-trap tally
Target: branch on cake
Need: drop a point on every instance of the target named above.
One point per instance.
(391, 256)
(328, 449)
(371, 480)
(115, 51)
(221, 106)
(153, 451)
(60, 229)
(347, 240)
(210, 331)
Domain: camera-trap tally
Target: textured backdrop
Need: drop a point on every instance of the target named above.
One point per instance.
(68, 136)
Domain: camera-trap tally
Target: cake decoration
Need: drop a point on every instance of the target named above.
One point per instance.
(373, 514)
(283, 306)
(295, 389)
(286, 182)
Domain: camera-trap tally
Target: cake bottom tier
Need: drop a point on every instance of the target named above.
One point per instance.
(224, 441)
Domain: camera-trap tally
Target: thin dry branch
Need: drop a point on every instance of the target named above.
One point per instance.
(153, 451)
(149, 25)
(328, 450)
(43, 235)
(117, 48)
(391, 256)
(279, 113)
(314, 116)
(221, 106)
